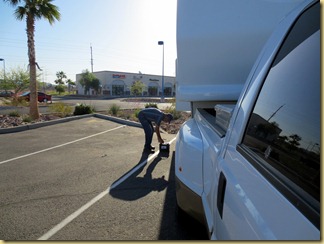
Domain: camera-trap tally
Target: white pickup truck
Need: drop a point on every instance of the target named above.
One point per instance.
(247, 164)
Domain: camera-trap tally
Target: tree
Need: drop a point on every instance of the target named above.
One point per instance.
(293, 141)
(60, 82)
(3, 83)
(60, 88)
(85, 81)
(89, 80)
(137, 88)
(17, 80)
(31, 11)
(70, 84)
(60, 78)
(95, 84)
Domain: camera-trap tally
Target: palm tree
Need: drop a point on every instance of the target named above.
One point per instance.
(33, 10)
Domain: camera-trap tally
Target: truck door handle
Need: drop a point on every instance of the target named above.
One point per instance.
(221, 193)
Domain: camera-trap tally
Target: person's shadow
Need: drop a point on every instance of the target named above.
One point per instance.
(136, 186)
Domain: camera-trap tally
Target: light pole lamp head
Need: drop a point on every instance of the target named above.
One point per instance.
(1, 59)
(161, 43)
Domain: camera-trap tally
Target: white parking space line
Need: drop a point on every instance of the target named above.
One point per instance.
(61, 145)
(121, 180)
(125, 177)
(67, 220)
(74, 215)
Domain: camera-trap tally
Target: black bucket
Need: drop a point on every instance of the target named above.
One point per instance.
(164, 147)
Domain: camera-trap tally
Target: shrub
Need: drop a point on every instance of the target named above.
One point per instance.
(81, 109)
(60, 89)
(14, 114)
(151, 105)
(136, 112)
(19, 101)
(27, 119)
(6, 100)
(61, 108)
(114, 109)
(172, 110)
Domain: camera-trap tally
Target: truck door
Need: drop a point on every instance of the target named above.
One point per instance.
(269, 177)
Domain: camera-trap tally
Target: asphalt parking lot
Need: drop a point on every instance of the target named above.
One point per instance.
(88, 179)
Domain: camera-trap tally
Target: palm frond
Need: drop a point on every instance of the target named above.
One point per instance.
(20, 13)
(12, 2)
(49, 11)
(42, 9)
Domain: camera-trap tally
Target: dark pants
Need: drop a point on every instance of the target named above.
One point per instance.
(148, 129)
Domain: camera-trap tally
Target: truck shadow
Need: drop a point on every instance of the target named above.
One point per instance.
(173, 226)
(177, 225)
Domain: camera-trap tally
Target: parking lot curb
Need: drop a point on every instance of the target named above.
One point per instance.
(118, 120)
(57, 121)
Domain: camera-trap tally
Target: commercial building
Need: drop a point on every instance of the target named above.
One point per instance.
(113, 83)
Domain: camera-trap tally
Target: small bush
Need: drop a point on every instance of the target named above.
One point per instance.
(19, 101)
(81, 109)
(114, 109)
(6, 100)
(151, 105)
(14, 114)
(136, 112)
(61, 108)
(27, 119)
(172, 110)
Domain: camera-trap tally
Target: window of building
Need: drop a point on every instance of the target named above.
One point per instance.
(118, 90)
(168, 91)
(152, 90)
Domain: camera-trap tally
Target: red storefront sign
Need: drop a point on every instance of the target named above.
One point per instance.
(116, 76)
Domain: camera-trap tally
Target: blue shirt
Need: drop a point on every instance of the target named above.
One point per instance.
(152, 114)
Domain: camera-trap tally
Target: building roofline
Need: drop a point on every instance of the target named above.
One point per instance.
(130, 73)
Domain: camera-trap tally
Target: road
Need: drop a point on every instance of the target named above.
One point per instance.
(99, 104)
(88, 180)
(104, 104)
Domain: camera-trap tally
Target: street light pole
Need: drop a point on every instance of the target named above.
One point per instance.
(162, 95)
(4, 68)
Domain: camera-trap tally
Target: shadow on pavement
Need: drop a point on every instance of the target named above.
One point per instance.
(137, 186)
(174, 225)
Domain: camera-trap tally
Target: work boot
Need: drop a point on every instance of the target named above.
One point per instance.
(148, 150)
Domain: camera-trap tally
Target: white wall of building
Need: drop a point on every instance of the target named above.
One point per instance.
(116, 83)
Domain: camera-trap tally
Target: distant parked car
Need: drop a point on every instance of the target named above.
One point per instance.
(42, 97)
(6, 93)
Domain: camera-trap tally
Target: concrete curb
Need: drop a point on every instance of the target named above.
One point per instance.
(63, 120)
(118, 120)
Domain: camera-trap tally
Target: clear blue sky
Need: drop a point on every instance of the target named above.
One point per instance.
(124, 35)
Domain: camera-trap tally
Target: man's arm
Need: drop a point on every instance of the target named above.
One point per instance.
(157, 131)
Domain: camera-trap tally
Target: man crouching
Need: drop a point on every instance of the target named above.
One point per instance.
(146, 117)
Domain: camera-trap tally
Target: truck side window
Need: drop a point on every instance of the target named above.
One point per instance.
(283, 132)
